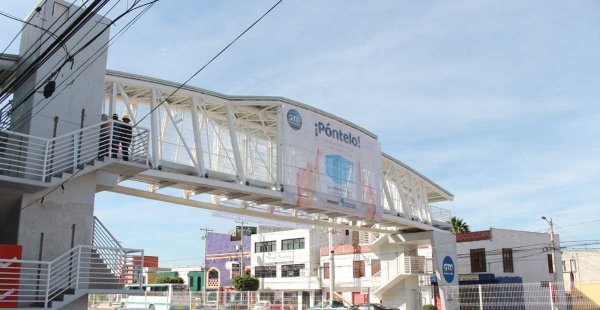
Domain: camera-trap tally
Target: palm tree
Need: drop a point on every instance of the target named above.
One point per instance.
(459, 226)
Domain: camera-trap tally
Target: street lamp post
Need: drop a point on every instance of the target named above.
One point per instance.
(552, 247)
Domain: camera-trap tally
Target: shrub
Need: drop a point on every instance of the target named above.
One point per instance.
(429, 307)
(245, 283)
(175, 280)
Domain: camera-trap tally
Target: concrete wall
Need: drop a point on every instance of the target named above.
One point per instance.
(55, 219)
(84, 92)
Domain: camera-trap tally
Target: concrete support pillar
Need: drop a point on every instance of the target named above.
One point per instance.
(65, 217)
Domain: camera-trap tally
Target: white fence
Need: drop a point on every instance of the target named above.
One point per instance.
(222, 300)
(525, 296)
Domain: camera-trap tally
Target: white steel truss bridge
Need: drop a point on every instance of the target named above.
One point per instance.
(231, 147)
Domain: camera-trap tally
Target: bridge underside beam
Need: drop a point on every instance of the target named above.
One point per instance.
(241, 211)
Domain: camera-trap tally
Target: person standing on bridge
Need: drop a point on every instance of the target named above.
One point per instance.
(126, 132)
(104, 137)
(116, 135)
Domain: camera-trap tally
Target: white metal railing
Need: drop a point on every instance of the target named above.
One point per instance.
(440, 214)
(104, 240)
(406, 265)
(417, 265)
(366, 237)
(5, 115)
(38, 283)
(39, 159)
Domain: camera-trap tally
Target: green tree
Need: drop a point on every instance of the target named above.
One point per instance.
(167, 280)
(459, 226)
(245, 283)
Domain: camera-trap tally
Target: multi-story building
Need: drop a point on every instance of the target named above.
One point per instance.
(368, 267)
(287, 264)
(374, 268)
(581, 269)
(226, 254)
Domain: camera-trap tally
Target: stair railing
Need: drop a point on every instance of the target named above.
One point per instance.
(121, 263)
(39, 159)
(39, 283)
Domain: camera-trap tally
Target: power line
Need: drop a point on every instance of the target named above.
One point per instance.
(97, 54)
(29, 52)
(52, 34)
(125, 28)
(209, 62)
(66, 35)
(177, 89)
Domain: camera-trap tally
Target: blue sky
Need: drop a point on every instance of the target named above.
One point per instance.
(497, 101)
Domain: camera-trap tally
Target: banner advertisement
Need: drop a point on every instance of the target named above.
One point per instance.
(329, 166)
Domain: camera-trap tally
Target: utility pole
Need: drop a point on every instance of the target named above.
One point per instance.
(552, 248)
(331, 268)
(205, 238)
(241, 247)
(555, 269)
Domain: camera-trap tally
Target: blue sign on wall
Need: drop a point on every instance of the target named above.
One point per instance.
(448, 269)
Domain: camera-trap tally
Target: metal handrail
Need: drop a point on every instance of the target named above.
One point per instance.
(37, 158)
(78, 268)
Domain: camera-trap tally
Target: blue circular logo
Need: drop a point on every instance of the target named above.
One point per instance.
(448, 269)
(294, 119)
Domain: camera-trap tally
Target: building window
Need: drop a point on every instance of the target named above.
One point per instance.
(265, 246)
(213, 278)
(235, 270)
(267, 296)
(265, 271)
(358, 268)
(550, 265)
(326, 271)
(375, 266)
(292, 244)
(478, 263)
(507, 260)
(291, 271)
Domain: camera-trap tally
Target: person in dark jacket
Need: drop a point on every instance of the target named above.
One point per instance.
(116, 135)
(104, 137)
(126, 132)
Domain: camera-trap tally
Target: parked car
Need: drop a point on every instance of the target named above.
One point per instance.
(372, 306)
(325, 305)
(278, 305)
(262, 305)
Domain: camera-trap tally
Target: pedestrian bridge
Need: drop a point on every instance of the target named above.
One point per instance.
(267, 157)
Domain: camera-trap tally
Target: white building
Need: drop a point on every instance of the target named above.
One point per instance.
(368, 267)
(380, 269)
(511, 256)
(288, 260)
